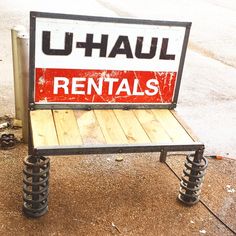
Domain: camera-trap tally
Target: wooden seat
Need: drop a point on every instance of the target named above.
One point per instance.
(105, 127)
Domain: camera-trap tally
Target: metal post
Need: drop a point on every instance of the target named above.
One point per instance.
(23, 68)
(35, 179)
(17, 83)
(163, 155)
(192, 179)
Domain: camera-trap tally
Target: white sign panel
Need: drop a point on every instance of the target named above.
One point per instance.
(90, 61)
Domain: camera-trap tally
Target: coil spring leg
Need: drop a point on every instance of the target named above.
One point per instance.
(35, 185)
(192, 179)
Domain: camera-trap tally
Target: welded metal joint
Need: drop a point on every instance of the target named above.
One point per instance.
(173, 106)
(31, 106)
(192, 178)
(35, 185)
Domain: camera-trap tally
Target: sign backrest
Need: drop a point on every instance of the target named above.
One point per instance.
(98, 62)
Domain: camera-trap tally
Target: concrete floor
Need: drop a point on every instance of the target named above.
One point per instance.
(207, 98)
(96, 195)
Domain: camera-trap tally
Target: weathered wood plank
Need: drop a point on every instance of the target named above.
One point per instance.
(66, 127)
(152, 126)
(90, 130)
(172, 126)
(185, 126)
(43, 129)
(110, 127)
(131, 126)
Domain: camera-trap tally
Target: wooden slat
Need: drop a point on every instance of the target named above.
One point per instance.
(67, 128)
(152, 126)
(172, 126)
(185, 126)
(110, 127)
(43, 129)
(131, 126)
(90, 130)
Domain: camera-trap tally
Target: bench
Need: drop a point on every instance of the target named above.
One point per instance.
(64, 124)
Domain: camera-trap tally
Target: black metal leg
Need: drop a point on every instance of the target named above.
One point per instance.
(192, 179)
(35, 185)
(163, 155)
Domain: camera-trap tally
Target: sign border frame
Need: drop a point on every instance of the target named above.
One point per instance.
(64, 105)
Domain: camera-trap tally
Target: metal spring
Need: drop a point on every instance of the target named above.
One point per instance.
(35, 185)
(7, 141)
(192, 179)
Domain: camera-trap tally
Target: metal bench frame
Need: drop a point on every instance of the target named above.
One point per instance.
(37, 166)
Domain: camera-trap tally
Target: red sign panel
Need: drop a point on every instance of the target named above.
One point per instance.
(89, 86)
(84, 62)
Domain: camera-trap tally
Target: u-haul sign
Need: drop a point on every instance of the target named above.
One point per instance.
(90, 61)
